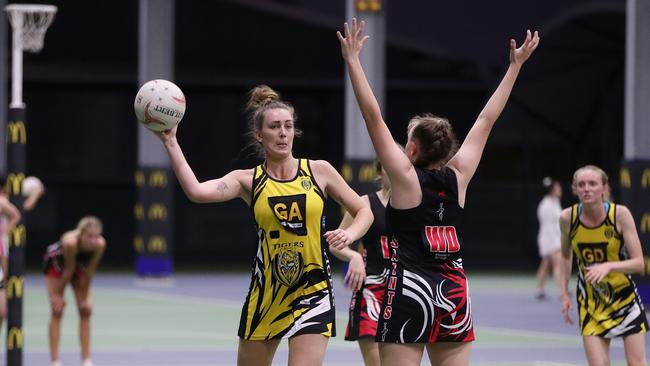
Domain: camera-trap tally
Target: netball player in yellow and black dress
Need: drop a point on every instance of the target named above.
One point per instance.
(290, 294)
(603, 237)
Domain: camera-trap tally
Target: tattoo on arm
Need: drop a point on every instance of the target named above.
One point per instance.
(222, 188)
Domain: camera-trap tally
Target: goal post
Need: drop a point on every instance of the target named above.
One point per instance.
(29, 22)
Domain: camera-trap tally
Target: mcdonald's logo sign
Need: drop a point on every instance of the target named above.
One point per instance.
(139, 178)
(157, 211)
(14, 184)
(368, 5)
(157, 244)
(366, 173)
(15, 287)
(158, 179)
(645, 178)
(16, 132)
(18, 236)
(645, 223)
(346, 172)
(14, 338)
(138, 211)
(138, 244)
(626, 181)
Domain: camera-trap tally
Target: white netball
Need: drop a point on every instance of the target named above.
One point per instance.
(159, 105)
(30, 184)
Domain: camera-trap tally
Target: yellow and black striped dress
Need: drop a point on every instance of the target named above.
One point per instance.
(611, 308)
(291, 291)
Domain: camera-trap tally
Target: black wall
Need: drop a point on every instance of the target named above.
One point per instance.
(566, 110)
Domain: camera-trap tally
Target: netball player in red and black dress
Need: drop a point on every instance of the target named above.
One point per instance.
(73, 260)
(427, 300)
(367, 273)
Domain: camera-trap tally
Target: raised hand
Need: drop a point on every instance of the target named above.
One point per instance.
(168, 135)
(520, 55)
(353, 39)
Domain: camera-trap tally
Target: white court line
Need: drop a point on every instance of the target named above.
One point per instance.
(206, 335)
(532, 333)
(171, 349)
(148, 295)
(221, 364)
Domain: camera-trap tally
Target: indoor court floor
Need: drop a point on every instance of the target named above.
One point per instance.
(192, 320)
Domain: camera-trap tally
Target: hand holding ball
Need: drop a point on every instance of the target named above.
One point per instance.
(159, 105)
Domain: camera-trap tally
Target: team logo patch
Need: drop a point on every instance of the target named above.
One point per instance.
(306, 184)
(441, 212)
(290, 212)
(288, 267)
(609, 232)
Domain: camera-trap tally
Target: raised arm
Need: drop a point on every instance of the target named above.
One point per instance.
(398, 167)
(565, 267)
(234, 184)
(469, 155)
(336, 187)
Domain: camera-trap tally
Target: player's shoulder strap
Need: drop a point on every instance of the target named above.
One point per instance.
(306, 171)
(576, 209)
(610, 209)
(373, 198)
(259, 181)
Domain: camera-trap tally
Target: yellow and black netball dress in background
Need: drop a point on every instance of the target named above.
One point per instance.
(291, 291)
(611, 308)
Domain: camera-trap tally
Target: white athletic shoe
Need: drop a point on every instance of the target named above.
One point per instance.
(56, 363)
(87, 362)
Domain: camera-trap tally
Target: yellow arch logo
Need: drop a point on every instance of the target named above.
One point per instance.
(14, 184)
(138, 211)
(158, 179)
(15, 287)
(16, 132)
(157, 211)
(645, 178)
(645, 222)
(14, 338)
(139, 178)
(366, 173)
(17, 236)
(138, 244)
(157, 244)
(346, 172)
(626, 180)
(372, 6)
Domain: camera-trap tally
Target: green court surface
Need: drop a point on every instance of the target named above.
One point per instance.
(193, 319)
